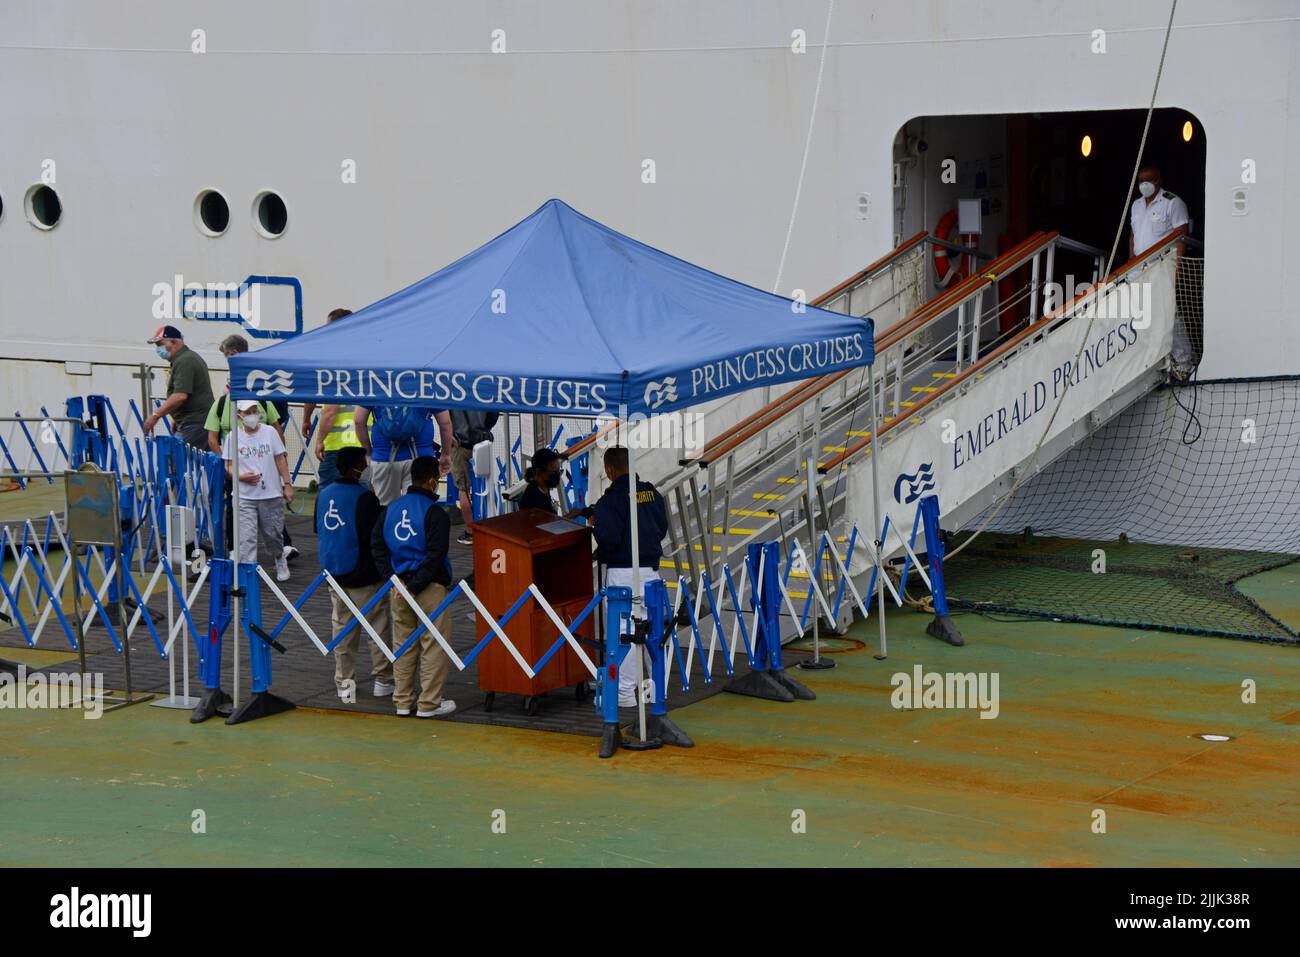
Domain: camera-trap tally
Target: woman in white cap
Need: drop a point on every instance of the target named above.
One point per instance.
(264, 484)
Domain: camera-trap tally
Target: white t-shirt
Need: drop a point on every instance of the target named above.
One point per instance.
(1153, 222)
(257, 452)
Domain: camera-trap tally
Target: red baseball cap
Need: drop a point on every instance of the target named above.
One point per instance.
(165, 332)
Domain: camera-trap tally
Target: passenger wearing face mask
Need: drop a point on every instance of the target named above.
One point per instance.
(264, 485)
(189, 388)
(1156, 214)
(543, 477)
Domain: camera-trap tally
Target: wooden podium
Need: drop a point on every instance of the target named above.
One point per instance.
(510, 552)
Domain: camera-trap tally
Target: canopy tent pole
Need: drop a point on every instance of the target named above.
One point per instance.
(875, 501)
(234, 548)
(637, 598)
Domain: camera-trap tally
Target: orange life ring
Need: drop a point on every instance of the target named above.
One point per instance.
(945, 273)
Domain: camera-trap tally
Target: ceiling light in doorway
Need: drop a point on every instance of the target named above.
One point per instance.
(1187, 131)
(1086, 146)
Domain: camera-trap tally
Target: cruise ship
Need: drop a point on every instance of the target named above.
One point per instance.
(963, 175)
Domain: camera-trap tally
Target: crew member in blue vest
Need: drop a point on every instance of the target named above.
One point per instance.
(612, 528)
(398, 436)
(346, 514)
(410, 541)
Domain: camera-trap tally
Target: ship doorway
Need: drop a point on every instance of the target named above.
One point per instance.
(1033, 171)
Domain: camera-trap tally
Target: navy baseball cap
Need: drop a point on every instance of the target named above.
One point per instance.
(165, 332)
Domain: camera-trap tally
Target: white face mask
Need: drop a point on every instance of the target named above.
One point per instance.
(1147, 189)
(250, 420)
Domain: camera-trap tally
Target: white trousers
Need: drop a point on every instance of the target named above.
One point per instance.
(627, 674)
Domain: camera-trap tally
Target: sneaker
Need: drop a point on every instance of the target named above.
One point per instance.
(447, 707)
(290, 553)
(281, 570)
(465, 538)
(384, 689)
(403, 712)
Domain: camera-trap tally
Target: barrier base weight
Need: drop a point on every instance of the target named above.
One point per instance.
(817, 664)
(796, 688)
(179, 702)
(759, 684)
(665, 729)
(610, 740)
(214, 702)
(943, 629)
(261, 705)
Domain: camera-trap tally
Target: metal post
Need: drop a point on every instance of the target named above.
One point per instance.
(961, 333)
(510, 456)
(234, 549)
(637, 597)
(810, 476)
(898, 381)
(875, 499)
(979, 321)
(1033, 290)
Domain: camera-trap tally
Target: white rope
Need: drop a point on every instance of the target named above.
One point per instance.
(807, 144)
(1028, 470)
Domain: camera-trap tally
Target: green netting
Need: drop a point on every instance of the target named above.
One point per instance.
(1166, 587)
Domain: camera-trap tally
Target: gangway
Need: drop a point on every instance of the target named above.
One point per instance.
(964, 404)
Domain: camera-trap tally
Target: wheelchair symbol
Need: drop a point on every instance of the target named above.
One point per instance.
(333, 521)
(405, 523)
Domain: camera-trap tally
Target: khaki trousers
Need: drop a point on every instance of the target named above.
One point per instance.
(433, 662)
(345, 652)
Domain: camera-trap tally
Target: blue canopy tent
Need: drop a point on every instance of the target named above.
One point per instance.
(560, 315)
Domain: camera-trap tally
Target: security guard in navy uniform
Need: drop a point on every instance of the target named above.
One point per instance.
(346, 513)
(612, 528)
(410, 540)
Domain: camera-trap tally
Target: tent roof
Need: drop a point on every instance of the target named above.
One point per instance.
(559, 314)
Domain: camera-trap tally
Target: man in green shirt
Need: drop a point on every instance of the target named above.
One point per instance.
(189, 389)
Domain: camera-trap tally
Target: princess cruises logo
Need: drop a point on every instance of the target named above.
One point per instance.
(661, 393)
(263, 383)
(917, 484)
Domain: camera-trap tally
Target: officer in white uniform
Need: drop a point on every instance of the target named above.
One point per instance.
(1154, 215)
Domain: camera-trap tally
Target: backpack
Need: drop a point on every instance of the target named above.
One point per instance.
(472, 426)
(401, 423)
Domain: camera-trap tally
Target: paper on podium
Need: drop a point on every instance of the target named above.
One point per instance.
(560, 526)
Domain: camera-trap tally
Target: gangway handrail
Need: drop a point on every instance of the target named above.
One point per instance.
(885, 260)
(817, 383)
(577, 448)
(1033, 329)
(936, 308)
(801, 391)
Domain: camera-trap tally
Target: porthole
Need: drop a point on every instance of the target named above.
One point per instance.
(44, 210)
(270, 217)
(211, 213)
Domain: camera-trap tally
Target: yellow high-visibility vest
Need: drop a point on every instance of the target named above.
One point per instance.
(344, 431)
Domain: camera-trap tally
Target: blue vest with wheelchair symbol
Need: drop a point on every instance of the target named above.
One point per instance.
(404, 531)
(336, 527)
